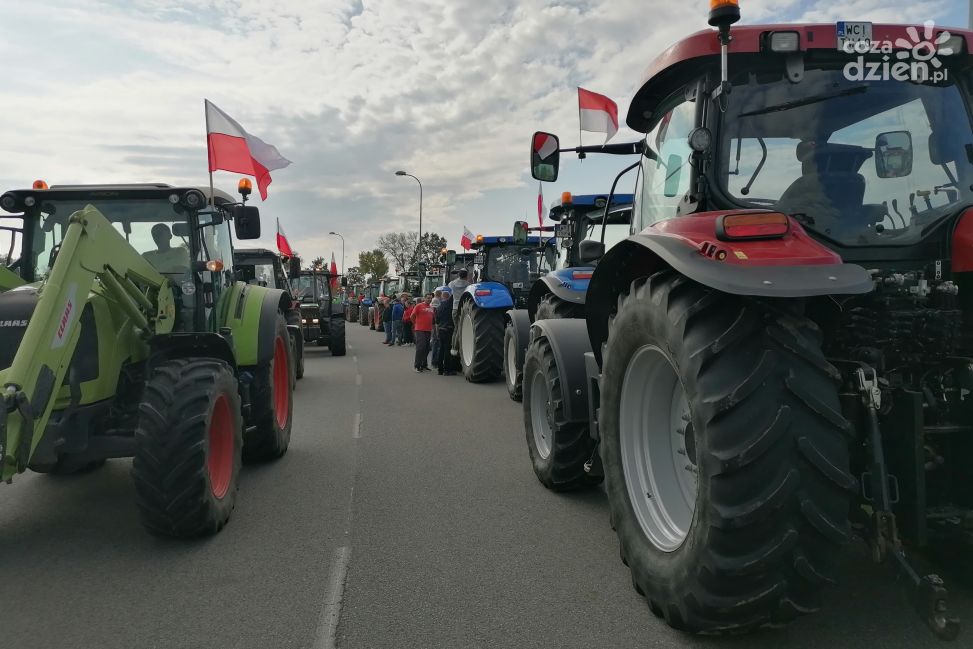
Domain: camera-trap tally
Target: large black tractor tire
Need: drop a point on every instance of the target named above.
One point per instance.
(558, 451)
(187, 448)
(363, 316)
(480, 343)
(351, 314)
(271, 404)
(336, 342)
(297, 349)
(751, 420)
(552, 307)
(513, 376)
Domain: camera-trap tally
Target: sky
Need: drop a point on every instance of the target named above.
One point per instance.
(111, 91)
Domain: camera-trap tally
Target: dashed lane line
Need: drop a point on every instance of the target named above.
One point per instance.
(327, 636)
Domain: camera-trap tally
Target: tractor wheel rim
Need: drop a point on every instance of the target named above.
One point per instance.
(540, 422)
(511, 365)
(219, 459)
(660, 477)
(282, 383)
(467, 339)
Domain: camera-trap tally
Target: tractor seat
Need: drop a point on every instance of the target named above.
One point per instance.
(830, 190)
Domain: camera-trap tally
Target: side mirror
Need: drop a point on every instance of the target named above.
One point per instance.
(344, 282)
(294, 267)
(246, 222)
(590, 251)
(520, 232)
(450, 257)
(545, 157)
(893, 154)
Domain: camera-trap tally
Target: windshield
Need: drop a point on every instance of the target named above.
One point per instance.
(837, 153)
(308, 286)
(258, 272)
(151, 226)
(508, 264)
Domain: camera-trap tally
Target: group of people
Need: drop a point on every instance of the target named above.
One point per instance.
(428, 323)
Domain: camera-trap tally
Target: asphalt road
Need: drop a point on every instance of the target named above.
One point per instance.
(405, 514)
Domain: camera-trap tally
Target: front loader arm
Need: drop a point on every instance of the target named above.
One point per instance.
(92, 249)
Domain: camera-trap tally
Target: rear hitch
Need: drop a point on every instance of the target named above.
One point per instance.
(929, 595)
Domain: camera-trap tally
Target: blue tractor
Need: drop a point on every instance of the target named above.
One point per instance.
(505, 269)
(561, 293)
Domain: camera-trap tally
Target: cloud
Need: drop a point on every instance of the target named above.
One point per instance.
(350, 90)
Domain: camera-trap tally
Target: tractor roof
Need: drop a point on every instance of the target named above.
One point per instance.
(683, 59)
(496, 241)
(147, 190)
(592, 200)
(248, 253)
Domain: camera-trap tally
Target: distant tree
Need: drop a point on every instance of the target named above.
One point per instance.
(431, 248)
(355, 277)
(399, 247)
(317, 262)
(373, 264)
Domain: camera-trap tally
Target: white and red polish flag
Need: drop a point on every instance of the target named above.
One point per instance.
(232, 149)
(598, 113)
(282, 244)
(334, 273)
(467, 240)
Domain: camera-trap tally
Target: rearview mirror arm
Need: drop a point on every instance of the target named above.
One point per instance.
(628, 148)
(611, 195)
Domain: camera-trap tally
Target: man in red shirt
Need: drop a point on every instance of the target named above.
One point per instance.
(422, 317)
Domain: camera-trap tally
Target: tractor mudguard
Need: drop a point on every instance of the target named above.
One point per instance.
(520, 320)
(498, 296)
(569, 342)
(650, 252)
(563, 284)
(251, 318)
(182, 345)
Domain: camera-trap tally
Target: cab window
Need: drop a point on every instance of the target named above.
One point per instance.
(666, 180)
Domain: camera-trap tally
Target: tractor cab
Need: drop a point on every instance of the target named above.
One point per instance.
(516, 262)
(260, 267)
(580, 218)
(321, 297)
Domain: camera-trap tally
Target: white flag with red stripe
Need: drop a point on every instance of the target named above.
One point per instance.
(282, 244)
(232, 149)
(540, 204)
(467, 240)
(334, 273)
(598, 113)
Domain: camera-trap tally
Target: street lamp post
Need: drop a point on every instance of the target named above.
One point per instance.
(342, 251)
(419, 242)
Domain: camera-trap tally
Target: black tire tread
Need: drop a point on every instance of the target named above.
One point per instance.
(516, 389)
(266, 441)
(572, 446)
(552, 307)
(776, 458)
(488, 325)
(169, 468)
(336, 341)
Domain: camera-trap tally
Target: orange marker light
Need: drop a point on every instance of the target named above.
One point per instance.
(40, 184)
(715, 4)
(479, 238)
(753, 225)
(566, 198)
(245, 187)
(214, 266)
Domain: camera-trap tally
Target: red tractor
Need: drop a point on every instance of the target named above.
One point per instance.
(780, 356)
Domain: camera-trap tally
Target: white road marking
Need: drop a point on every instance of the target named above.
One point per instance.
(356, 427)
(328, 628)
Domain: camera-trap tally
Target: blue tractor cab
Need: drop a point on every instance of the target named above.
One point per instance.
(504, 270)
(581, 225)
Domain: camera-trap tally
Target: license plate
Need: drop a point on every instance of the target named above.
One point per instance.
(518, 285)
(850, 33)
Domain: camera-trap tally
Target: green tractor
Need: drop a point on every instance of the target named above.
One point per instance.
(322, 309)
(125, 333)
(262, 267)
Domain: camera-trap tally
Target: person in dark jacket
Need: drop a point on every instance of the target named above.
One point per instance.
(387, 323)
(444, 323)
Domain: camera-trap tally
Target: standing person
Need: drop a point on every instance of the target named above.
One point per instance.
(456, 287)
(434, 305)
(444, 322)
(397, 310)
(422, 318)
(407, 337)
(387, 321)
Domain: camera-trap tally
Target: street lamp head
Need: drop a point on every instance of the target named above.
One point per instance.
(332, 233)
(401, 173)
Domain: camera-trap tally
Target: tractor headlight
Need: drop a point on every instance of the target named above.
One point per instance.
(303, 320)
(784, 42)
(193, 199)
(9, 203)
(30, 201)
(315, 321)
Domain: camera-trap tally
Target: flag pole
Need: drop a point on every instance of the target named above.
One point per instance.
(212, 192)
(581, 155)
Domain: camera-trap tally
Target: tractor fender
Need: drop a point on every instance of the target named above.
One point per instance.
(562, 284)
(569, 342)
(519, 320)
(183, 345)
(650, 252)
(498, 297)
(251, 318)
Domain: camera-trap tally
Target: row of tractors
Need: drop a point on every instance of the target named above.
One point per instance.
(774, 356)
